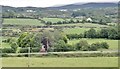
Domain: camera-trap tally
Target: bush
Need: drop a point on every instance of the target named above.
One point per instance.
(70, 47)
(93, 47)
(82, 45)
(14, 46)
(96, 46)
(104, 45)
(23, 50)
(62, 46)
(90, 33)
(8, 50)
(7, 40)
(35, 50)
(5, 55)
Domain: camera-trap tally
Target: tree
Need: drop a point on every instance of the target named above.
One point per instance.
(112, 34)
(82, 45)
(104, 33)
(90, 33)
(29, 40)
(60, 46)
(36, 40)
(49, 23)
(71, 21)
(24, 40)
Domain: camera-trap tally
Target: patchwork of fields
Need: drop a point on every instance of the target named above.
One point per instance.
(61, 62)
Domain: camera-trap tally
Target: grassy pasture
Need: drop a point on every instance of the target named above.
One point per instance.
(76, 30)
(60, 62)
(84, 25)
(54, 20)
(14, 21)
(112, 43)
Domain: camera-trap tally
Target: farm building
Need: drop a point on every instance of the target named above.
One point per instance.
(89, 20)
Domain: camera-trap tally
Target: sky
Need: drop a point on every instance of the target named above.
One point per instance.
(46, 3)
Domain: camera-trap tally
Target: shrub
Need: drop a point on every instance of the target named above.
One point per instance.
(70, 47)
(8, 50)
(90, 33)
(96, 46)
(14, 46)
(82, 45)
(5, 55)
(24, 50)
(62, 46)
(104, 45)
(93, 47)
(35, 50)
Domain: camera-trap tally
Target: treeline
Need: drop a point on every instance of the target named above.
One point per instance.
(108, 33)
(59, 46)
(55, 41)
(71, 21)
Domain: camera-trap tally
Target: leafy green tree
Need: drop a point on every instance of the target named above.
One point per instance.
(82, 45)
(48, 23)
(71, 21)
(60, 46)
(113, 34)
(90, 33)
(25, 40)
(104, 33)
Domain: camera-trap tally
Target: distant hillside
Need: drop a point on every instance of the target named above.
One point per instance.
(87, 5)
(70, 6)
(20, 9)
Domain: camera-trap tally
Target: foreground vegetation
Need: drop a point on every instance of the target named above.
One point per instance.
(61, 62)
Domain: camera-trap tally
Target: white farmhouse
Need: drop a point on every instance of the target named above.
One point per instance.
(89, 20)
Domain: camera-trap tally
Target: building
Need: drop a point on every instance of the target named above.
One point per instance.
(89, 20)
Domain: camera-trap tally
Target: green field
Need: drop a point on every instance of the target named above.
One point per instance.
(83, 25)
(54, 20)
(112, 43)
(60, 62)
(77, 30)
(22, 22)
